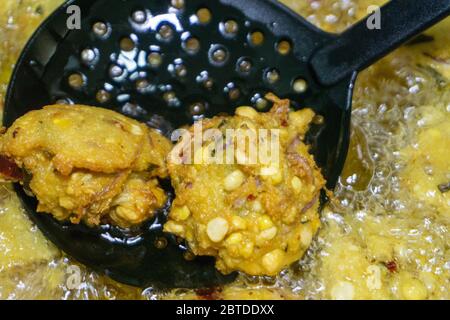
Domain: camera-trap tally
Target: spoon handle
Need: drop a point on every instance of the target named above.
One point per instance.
(364, 43)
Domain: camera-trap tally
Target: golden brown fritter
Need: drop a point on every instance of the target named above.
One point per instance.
(254, 217)
(89, 164)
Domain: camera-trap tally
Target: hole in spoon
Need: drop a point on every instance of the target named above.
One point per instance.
(161, 243)
(177, 4)
(191, 45)
(100, 29)
(232, 91)
(63, 100)
(177, 68)
(204, 15)
(244, 65)
(133, 109)
(76, 80)
(127, 44)
(103, 96)
(256, 38)
(229, 28)
(284, 47)
(165, 32)
(154, 59)
(189, 256)
(197, 109)
(116, 71)
(142, 84)
(89, 56)
(205, 80)
(259, 102)
(218, 55)
(171, 99)
(318, 119)
(139, 16)
(272, 76)
(300, 85)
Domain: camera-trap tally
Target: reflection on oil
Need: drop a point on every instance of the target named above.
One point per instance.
(359, 165)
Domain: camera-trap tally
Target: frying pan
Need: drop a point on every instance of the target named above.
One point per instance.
(169, 63)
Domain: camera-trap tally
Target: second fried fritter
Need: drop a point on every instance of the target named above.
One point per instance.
(253, 217)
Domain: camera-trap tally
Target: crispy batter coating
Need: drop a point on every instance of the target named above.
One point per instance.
(256, 218)
(89, 164)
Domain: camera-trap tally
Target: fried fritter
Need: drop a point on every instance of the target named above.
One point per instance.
(89, 164)
(253, 217)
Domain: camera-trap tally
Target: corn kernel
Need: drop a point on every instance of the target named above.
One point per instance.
(234, 180)
(273, 261)
(296, 184)
(272, 173)
(217, 229)
(238, 223)
(306, 235)
(234, 239)
(257, 206)
(136, 130)
(173, 227)
(268, 171)
(87, 177)
(268, 234)
(180, 213)
(264, 222)
(246, 250)
(248, 112)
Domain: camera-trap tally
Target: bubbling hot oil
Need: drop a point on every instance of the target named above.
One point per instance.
(377, 239)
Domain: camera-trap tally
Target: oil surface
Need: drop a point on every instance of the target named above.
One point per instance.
(384, 236)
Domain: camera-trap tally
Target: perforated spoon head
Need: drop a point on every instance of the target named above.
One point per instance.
(169, 63)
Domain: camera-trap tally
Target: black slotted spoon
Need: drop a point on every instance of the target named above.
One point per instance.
(168, 63)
